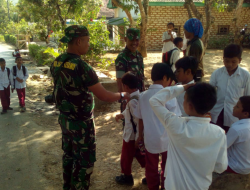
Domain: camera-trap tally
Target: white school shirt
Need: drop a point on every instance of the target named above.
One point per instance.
(128, 132)
(155, 135)
(19, 74)
(175, 57)
(196, 148)
(229, 90)
(180, 100)
(167, 46)
(4, 79)
(238, 146)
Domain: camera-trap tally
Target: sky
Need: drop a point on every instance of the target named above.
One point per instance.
(14, 1)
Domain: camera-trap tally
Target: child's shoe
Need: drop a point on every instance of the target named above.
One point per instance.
(9, 108)
(125, 180)
(22, 109)
(144, 181)
(4, 112)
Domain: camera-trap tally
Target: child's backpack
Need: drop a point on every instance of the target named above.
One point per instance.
(8, 72)
(14, 72)
(131, 116)
(166, 57)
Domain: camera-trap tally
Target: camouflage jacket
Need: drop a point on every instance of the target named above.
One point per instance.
(72, 80)
(128, 61)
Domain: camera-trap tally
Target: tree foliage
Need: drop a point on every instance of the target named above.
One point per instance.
(141, 7)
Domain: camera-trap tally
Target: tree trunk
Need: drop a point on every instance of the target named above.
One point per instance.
(142, 46)
(236, 21)
(143, 6)
(130, 18)
(195, 11)
(59, 14)
(209, 21)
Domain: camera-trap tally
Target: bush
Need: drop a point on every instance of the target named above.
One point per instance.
(2, 38)
(10, 39)
(220, 43)
(40, 54)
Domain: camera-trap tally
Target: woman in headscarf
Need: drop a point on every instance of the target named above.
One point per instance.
(193, 30)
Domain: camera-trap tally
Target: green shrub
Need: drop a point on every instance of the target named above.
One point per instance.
(6, 38)
(10, 39)
(220, 42)
(2, 38)
(40, 54)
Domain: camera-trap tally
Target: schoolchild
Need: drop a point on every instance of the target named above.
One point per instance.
(130, 133)
(196, 147)
(20, 75)
(173, 55)
(185, 73)
(238, 138)
(5, 82)
(150, 128)
(231, 82)
(168, 38)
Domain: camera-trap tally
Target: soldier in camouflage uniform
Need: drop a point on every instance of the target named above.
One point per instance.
(75, 81)
(130, 60)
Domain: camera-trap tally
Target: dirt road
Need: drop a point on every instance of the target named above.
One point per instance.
(21, 141)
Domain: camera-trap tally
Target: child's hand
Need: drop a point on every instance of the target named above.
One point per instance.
(187, 86)
(118, 117)
(138, 140)
(12, 90)
(21, 81)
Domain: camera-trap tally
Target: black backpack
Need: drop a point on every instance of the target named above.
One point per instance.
(131, 117)
(14, 72)
(167, 56)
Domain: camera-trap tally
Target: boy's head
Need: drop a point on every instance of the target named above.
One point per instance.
(199, 99)
(2, 63)
(242, 108)
(129, 82)
(186, 68)
(132, 39)
(178, 42)
(232, 57)
(19, 61)
(170, 26)
(163, 74)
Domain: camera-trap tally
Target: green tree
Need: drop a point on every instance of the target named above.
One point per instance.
(138, 6)
(221, 6)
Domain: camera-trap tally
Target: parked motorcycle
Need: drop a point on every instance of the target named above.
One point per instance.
(245, 37)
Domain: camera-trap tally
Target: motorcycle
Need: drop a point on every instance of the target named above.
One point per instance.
(245, 37)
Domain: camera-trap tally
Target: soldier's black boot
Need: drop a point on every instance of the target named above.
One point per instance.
(125, 180)
(4, 111)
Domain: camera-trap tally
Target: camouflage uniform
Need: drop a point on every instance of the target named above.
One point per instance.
(128, 61)
(72, 77)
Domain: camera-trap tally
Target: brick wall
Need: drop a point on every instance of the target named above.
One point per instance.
(159, 16)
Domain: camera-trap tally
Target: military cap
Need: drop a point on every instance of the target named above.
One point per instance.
(132, 33)
(74, 31)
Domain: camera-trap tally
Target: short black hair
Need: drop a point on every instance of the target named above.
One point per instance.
(2, 60)
(177, 40)
(232, 50)
(170, 23)
(202, 96)
(245, 101)
(130, 80)
(186, 63)
(18, 58)
(159, 70)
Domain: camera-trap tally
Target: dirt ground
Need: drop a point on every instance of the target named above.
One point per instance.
(108, 132)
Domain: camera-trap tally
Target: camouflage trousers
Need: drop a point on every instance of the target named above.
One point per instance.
(78, 144)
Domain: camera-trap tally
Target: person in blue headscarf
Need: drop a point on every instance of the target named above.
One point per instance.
(193, 30)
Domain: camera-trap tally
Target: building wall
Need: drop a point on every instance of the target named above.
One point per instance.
(159, 16)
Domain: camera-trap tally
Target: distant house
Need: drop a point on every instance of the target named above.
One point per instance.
(163, 11)
(109, 14)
